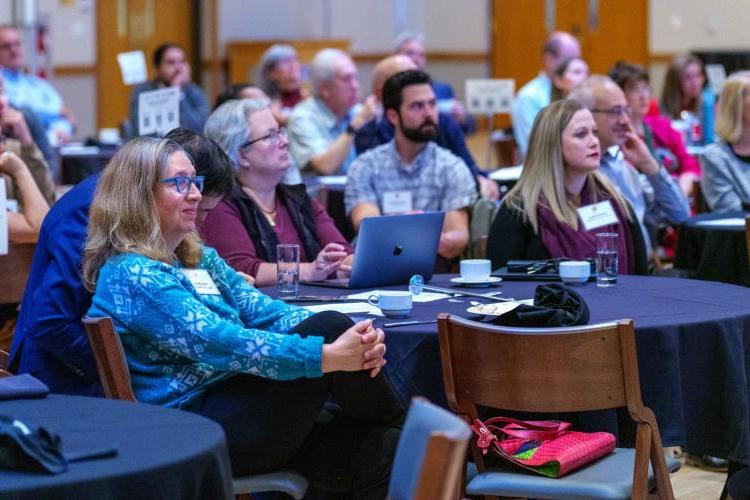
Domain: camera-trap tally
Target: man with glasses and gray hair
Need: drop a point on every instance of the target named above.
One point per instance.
(655, 196)
(322, 127)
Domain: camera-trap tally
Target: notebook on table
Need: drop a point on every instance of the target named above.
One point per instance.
(391, 249)
(535, 270)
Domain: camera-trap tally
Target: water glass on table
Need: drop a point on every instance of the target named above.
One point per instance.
(287, 270)
(606, 259)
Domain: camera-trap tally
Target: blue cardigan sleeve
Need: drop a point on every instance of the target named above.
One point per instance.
(154, 301)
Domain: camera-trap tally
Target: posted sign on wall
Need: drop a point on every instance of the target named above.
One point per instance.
(489, 96)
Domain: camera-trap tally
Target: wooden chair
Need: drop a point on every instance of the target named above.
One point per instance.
(554, 370)
(14, 268)
(431, 453)
(4, 360)
(115, 378)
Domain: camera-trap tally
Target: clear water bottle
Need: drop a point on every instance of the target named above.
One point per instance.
(707, 115)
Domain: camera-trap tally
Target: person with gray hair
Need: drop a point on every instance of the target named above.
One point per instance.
(537, 93)
(322, 127)
(261, 212)
(655, 196)
(412, 45)
(280, 76)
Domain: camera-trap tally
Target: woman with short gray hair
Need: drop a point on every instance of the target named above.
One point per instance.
(262, 212)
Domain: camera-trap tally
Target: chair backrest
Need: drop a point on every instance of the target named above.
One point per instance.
(4, 356)
(109, 357)
(552, 370)
(14, 269)
(699, 202)
(482, 214)
(430, 455)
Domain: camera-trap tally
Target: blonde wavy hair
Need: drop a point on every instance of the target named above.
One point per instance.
(542, 181)
(732, 106)
(123, 216)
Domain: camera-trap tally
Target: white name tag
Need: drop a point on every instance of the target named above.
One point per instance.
(397, 202)
(202, 281)
(597, 215)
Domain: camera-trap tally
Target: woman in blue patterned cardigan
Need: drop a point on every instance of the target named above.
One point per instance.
(197, 337)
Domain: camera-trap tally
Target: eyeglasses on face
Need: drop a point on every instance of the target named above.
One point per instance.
(615, 111)
(182, 183)
(272, 137)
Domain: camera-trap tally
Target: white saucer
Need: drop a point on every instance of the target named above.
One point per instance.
(476, 283)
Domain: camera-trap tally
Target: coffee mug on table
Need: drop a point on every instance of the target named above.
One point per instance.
(574, 271)
(475, 269)
(392, 303)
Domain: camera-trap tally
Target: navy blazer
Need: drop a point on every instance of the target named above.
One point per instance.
(50, 342)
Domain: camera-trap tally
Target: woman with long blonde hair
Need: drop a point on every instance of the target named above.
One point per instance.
(540, 216)
(726, 163)
(199, 338)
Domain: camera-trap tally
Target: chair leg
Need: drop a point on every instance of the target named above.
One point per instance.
(642, 453)
(659, 465)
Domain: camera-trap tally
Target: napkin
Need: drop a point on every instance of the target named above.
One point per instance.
(554, 305)
(22, 386)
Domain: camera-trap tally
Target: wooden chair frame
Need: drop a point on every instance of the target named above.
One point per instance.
(15, 268)
(109, 357)
(4, 360)
(551, 370)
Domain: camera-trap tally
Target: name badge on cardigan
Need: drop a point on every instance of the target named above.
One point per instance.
(397, 202)
(597, 215)
(202, 281)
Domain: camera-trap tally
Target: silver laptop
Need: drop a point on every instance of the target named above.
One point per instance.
(391, 249)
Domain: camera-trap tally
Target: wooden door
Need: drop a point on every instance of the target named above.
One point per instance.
(608, 31)
(125, 25)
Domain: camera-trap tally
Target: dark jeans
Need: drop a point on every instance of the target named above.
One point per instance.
(273, 424)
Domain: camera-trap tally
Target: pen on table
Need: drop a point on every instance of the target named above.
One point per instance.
(409, 323)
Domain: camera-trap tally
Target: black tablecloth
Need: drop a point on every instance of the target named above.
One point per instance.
(162, 453)
(693, 340)
(717, 253)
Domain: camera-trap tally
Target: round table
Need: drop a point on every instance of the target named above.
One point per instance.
(162, 453)
(693, 340)
(713, 247)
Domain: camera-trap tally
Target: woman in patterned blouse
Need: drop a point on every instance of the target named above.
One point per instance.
(199, 338)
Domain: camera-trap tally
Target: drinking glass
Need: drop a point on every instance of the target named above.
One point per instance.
(606, 259)
(287, 270)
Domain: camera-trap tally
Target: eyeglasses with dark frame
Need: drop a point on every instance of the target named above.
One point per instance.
(182, 183)
(615, 111)
(272, 136)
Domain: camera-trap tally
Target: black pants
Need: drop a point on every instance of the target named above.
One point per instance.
(274, 424)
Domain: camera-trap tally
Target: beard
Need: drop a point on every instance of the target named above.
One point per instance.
(426, 131)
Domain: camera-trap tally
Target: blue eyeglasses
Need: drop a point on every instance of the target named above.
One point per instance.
(183, 183)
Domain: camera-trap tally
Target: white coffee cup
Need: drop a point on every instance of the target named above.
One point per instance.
(575, 271)
(393, 304)
(475, 269)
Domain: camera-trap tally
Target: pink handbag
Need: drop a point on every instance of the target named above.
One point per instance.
(546, 447)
